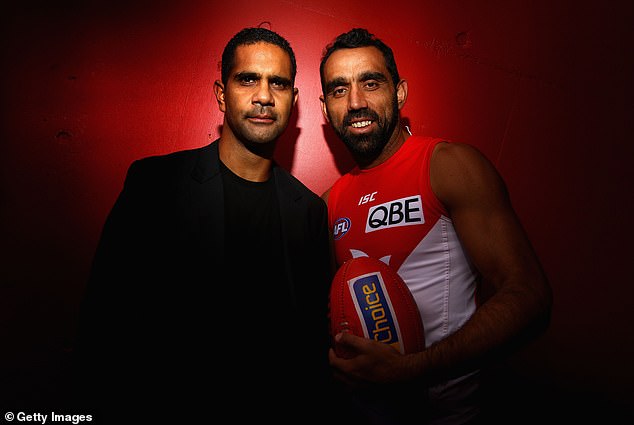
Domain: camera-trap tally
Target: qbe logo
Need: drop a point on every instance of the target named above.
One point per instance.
(399, 212)
(341, 227)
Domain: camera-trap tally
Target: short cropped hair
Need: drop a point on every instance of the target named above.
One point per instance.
(359, 37)
(249, 36)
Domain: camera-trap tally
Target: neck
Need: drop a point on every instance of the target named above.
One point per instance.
(250, 163)
(398, 137)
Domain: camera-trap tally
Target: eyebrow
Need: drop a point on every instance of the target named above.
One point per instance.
(256, 76)
(366, 76)
(244, 75)
(340, 81)
(378, 76)
(283, 81)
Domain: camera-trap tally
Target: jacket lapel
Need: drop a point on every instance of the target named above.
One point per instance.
(290, 209)
(208, 203)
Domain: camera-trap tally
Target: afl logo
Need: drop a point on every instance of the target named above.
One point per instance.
(341, 227)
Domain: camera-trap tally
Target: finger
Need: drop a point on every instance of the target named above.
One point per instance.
(342, 377)
(332, 358)
(348, 380)
(351, 341)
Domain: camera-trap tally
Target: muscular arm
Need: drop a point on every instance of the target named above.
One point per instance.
(489, 230)
(479, 206)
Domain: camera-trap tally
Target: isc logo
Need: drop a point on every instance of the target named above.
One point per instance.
(375, 310)
(400, 212)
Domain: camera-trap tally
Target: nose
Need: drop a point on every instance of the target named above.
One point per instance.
(262, 95)
(356, 99)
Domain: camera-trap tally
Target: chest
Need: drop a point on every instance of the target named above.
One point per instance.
(381, 216)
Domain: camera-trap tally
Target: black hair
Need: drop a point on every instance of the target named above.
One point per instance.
(359, 37)
(248, 36)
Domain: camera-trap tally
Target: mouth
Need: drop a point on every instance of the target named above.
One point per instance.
(261, 119)
(361, 121)
(361, 124)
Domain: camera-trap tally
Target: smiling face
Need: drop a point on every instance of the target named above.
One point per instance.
(360, 100)
(259, 95)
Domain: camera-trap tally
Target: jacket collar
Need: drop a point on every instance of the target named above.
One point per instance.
(208, 163)
(208, 202)
(208, 166)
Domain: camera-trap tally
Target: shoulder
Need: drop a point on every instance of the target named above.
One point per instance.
(459, 171)
(173, 160)
(166, 167)
(326, 194)
(341, 184)
(288, 181)
(454, 154)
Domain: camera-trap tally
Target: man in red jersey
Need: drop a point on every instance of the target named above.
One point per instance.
(439, 213)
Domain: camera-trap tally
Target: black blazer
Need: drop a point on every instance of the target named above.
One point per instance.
(158, 318)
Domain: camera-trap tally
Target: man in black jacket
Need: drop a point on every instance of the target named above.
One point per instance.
(209, 285)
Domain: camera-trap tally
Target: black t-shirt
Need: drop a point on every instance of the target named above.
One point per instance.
(257, 285)
(253, 240)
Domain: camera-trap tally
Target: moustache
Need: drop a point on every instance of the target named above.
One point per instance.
(366, 114)
(262, 111)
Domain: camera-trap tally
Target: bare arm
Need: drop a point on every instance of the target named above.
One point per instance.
(477, 201)
(489, 230)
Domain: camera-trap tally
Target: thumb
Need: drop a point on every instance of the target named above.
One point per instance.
(350, 340)
(345, 345)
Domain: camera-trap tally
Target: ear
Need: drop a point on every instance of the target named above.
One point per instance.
(219, 91)
(401, 93)
(295, 95)
(324, 110)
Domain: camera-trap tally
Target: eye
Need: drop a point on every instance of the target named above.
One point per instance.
(371, 85)
(338, 91)
(281, 85)
(247, 80)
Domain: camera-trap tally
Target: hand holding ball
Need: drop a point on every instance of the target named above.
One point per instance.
(369, 299)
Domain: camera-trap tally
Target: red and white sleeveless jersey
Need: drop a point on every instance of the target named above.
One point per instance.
(390, 212)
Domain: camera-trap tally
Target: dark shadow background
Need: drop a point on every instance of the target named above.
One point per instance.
(544, 90)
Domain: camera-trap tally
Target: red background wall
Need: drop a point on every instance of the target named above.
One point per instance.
(543, 88)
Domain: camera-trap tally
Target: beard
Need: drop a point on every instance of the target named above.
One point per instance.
(367, 147)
